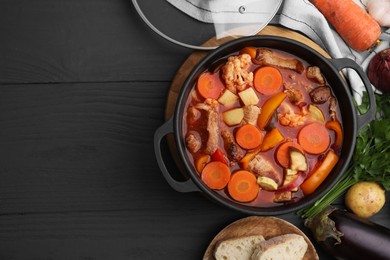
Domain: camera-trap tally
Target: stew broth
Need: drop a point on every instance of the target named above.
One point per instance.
(300, 107)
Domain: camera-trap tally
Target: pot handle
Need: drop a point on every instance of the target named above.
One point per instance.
(185, 186)
(370, 114)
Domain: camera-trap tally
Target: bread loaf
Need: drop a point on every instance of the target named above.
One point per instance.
(240, 248)
(283, 247)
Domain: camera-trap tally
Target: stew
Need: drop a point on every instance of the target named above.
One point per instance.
(264, 128)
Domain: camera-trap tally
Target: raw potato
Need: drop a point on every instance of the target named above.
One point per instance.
(365, 199)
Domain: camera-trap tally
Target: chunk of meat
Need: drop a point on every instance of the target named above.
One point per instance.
(193, 143)
(212, 126)
(314, 74)
(234, 152)
(251, 113)
(332, 107)
(262, 167)
(284, 196)
(193, 114)
(320, 95)
(291, 119)
(294, 94)
(267, 57)
(236, 73)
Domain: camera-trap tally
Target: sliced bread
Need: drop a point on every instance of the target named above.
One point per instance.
(283, 247)
(240, 248)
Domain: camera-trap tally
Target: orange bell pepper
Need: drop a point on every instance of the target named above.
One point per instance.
(336, 127)
(268, 109)
(320, 174)
(271, 139)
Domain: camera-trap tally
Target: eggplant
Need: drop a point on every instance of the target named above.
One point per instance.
(347, 236)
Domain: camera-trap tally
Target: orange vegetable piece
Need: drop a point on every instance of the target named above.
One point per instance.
(243, 186)
(320, 173)
(248, 136)
(201, 161)
(248, 157)
(216, 175)
(209, 85)
(336, 127)
(268, 109)
(267, 80)
(314, 138)
(357, 28)
(282, 153)
(251, 51)
(271, 139)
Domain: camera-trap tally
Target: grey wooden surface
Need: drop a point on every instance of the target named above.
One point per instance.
(83, 87)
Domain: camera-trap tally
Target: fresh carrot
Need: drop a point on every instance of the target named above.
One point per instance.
(209, 85)
(216, 175)
(267, 80)
(282, 153)
(314, 138)
(271, 139)
(320, 173)
(243, 186)
(248, 136)
(268, 109)
(357, 28)
(251, 51)
(336, 127)
(201, 161)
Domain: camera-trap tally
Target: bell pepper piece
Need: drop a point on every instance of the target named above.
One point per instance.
(268, 109)
(320, 173)
(201, 161)
(336, 127)
(271, 139)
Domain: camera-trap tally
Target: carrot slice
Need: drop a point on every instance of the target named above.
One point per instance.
(216, 175)
(243, 186)
(209, 85)
(248, 136)
(282, 153)
(320, 174)
(314, 138)
(268, 80)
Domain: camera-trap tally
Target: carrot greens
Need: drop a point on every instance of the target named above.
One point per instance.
(370, 161)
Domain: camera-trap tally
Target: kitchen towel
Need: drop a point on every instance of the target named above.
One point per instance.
(230, 17)
(302, 16)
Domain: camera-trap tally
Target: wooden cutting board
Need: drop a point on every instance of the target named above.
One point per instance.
(196, 56)
(268, 227)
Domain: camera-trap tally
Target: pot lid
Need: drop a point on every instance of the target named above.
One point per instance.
(190, 23)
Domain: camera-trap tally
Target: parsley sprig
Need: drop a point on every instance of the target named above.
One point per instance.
(371, 158)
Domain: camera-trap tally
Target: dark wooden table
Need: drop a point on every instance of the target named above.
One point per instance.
(83, 87)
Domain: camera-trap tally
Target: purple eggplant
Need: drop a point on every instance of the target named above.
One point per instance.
(346, 236)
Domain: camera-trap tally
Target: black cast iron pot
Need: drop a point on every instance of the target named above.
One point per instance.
(330, 68)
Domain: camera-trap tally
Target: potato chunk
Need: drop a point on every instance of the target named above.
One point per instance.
(249, 97)
(233, 116)
(228, 98)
